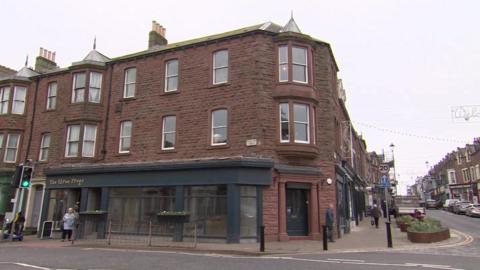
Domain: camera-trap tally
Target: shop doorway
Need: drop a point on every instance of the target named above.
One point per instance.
(297, 212)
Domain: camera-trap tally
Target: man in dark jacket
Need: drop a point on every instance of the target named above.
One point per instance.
(329, 222)
(376, 214)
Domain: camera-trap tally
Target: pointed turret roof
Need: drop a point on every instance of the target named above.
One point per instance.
(291, 26)
(26, 72)
(93, 57)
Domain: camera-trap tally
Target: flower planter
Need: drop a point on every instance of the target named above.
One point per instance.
(403, 226)
(428, 237)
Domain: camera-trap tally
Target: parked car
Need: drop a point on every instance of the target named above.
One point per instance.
(432, 204)
(473, 210)
(449, 203)
(461, 207)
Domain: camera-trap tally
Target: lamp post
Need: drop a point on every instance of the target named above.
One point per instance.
(425, 185)
(392, 147)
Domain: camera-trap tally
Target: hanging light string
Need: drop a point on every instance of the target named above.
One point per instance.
(402, 133)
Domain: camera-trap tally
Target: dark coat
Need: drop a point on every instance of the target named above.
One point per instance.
(329, 217)
(376, 213)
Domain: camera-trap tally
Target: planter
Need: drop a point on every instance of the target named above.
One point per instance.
(403, 226)
(428, 237)
(173, 218)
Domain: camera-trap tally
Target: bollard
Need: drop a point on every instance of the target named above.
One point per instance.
(262, 238)
(325, 236)
(389, 235)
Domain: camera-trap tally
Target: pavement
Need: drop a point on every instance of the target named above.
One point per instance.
(362, 238)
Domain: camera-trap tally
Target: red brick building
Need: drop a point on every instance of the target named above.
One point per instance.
(240, 129)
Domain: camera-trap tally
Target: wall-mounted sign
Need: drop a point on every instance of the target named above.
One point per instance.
(62, 181)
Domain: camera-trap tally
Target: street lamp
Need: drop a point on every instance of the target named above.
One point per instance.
(392, 146)
(425, 185)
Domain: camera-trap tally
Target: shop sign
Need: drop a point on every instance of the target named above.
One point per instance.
(66, 182)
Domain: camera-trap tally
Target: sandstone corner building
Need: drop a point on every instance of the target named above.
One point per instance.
(239, 130)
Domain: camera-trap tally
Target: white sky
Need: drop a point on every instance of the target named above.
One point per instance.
(404, 63)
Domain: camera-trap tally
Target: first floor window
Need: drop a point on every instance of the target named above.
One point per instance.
(89, 136)
(44, 146)
(1, 142)
(299, 127)
(283, 63)
(169, 132)
(125, 136)
(11, 148)
(4, 97)
(451, 177)
(73, 141)
(299, 64)
(19, 95)
(95, 86)
(219, 127)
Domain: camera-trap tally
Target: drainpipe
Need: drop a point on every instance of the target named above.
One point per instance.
(107, 116)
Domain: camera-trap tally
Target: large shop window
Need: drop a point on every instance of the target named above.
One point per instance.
(208, 209)
(59, 202)
(132, 209)
(248, 211)
(300, 126)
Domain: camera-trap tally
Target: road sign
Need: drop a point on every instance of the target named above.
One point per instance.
(384, 181)
(384, 168)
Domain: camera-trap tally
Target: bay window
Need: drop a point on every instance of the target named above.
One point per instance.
(300, 126)
(19, 96)
(4, 98)
(294, 59)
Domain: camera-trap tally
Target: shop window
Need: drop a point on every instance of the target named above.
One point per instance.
(248, 211)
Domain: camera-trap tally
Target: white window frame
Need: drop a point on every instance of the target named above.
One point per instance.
(299, 122)
(4, 99)
(1, 141)
(472, 174)
(215, 68)
(44, 148)
(123, 136)
(175, 75)
(216, 127)
(68, 141)
(74, 89)
(89, 141)
(452, 178)
(18, 105)
(477, 171)
(164, 133)
(96, 88)
(52, 97)
(282, 64)
(465, 173)
(288, 121)
(305, 66)
(7, 148)
(130, 83)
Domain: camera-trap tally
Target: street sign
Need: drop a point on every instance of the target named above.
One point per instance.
(384, 167)
(384, 181)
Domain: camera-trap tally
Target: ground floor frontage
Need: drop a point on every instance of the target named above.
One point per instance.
(465, 192)
(227, 200)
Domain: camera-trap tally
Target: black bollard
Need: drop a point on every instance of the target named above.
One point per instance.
(262, 238)
(389, 235)
(325, 240)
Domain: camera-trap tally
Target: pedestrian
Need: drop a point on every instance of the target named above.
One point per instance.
(77, 220)
(19, 221)
(68, 224)
(376, 213)
(329, 222)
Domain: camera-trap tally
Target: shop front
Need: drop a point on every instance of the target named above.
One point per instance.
(222, 198)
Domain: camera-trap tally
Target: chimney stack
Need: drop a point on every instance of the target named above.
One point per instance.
(45, 61)
(156, 37)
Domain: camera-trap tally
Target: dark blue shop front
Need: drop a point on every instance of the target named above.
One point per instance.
(223, 198)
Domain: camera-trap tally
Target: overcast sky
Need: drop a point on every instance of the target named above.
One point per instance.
(404, 63)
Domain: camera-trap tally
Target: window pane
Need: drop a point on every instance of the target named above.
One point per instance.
(125, 144)
(125, 136)
(172, 68)
(221, 75)
(299, 73)
(283, 54)
(1, 142)
(283, 72)
(285, 132)
(131, 76)
(129, 90)
(169, 140)
(221, 59)
(46, 140)
(74, 133)
(95, 79)
(284, 122)
(219, 118)
(169, 124)
(79, 95)
(52, 93)
(301, 132)
(19, 100)
(300, 112)
(172, 83)
(12, 140)
(79, 80)
(284, 112)
(220, 135)
(94, 95)
(4, 97)
(126, 128)
(299, 55)
(90, 133)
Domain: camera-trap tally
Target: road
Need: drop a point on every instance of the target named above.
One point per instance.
(463, 257)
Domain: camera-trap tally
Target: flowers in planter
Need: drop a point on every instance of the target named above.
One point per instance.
(406, 219)
(427, 225)
(174, 213)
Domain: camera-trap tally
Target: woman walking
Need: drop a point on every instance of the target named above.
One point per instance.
(68, 224)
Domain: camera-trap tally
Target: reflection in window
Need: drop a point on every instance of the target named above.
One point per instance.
(248, 211)
(284, 123)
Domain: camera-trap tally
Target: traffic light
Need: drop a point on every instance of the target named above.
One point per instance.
(17, 176)
(26, 177)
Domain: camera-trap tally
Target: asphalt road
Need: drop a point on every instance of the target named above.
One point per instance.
(464, 257)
